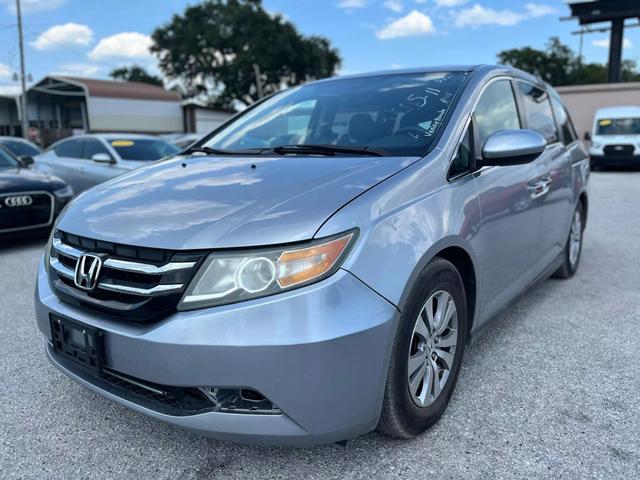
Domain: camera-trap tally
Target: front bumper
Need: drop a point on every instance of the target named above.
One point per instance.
(615, 161)
(319, 353)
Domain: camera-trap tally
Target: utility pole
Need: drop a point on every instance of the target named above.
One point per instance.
(23, 97)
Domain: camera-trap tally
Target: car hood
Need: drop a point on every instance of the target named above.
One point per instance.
(24, 180)
(220, 202)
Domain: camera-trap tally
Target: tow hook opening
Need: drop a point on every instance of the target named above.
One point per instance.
(240, 400)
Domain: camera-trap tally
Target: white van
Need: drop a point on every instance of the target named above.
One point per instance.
(615, 140)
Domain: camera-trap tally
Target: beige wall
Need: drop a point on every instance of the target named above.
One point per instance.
(129, 115)
(583, 100)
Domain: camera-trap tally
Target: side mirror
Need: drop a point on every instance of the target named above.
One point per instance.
(27, 160)
(512, 147)
(587, 137)
(102, 158)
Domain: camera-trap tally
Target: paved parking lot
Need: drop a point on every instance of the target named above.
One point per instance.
(552, 391)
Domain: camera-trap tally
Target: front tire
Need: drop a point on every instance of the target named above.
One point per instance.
(573, 248)
(427, 352)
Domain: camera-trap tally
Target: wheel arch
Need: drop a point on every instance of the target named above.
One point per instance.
(462, 258)
(464, 264)
(584, 200)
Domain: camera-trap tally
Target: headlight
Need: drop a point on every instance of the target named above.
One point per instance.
(64, 192)
(236, 276)
(596, 145)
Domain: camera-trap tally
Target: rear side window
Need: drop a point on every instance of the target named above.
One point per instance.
(496, 110)
(564, 122)
(69, 148)
(538, 112)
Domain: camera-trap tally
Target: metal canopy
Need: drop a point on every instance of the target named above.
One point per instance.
(614, 11)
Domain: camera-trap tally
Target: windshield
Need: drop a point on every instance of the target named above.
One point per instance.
(618, 126)
(6, 160)
(396, 114)
(145, 149)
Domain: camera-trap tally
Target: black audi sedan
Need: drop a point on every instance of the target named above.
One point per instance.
(29, 200)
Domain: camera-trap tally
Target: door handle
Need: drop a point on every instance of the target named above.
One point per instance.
(539, 187)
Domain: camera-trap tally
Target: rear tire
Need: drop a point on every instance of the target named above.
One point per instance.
(573, 247)
(427, 352)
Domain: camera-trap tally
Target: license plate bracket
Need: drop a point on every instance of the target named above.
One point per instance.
(78, 342)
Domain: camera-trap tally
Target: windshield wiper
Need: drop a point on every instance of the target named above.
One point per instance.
(211, 151)
(329, 150)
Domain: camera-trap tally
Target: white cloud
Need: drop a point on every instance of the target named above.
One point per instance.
(123, 45)
(604, 43)
(415, 23)
(78, 70)
(537, 10)
(10, 90)
(32, 6)
(5, 71)
(447, 3)
(68, 34)
(351, 4)
(478, 15)
(393, 5)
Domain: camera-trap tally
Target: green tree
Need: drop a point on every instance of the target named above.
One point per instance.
(215, 49)
(135, 73)
(559, 65)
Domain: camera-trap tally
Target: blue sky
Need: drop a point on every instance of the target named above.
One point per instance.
(91, 37)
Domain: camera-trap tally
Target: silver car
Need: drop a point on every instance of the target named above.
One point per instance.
(314, 269)
(87, 160)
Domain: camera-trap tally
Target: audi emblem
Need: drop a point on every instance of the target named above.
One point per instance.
(18, 201)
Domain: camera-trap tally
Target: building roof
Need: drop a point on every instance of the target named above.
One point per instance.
(119, 89)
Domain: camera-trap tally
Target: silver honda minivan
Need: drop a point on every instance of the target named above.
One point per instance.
(314, 268)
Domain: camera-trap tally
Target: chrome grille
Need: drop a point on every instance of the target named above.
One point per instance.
(16, 216)
(134, 283)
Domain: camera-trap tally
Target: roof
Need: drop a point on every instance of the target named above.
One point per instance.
(406, 71)
(119, 89)
(618, 112)
(445, 68)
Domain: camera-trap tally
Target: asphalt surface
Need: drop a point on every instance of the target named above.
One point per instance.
(552, 390)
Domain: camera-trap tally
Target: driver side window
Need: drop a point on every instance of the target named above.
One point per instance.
(496, 110)
(69, 148)
(93, 146)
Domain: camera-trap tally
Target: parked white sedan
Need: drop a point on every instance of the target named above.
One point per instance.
(87, 160)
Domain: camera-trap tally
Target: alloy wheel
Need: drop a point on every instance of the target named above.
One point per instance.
(575, 239)
(432, 348)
